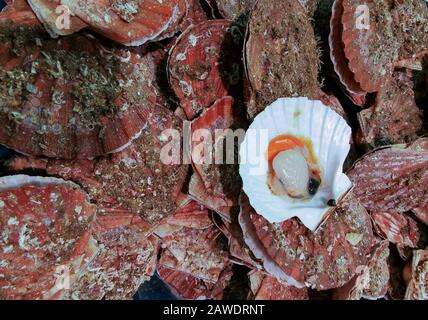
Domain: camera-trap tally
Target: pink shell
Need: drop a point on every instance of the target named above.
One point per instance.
(195, 252)
(361, 49)
(391, 180)
(397, 228)
(337, 55)
(372, 282)
(265, 287)
(202, 65)
(54, 114)
(151, 20)
(418, 286)
(124, 249)
(45, 11)
(325, 259)
(121, 180)
(37, 246)
(216, 186)
(393, 117)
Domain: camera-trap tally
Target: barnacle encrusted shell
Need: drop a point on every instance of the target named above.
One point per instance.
(369, 39)
(393, 117)
(124, 249)
(372, 280)
(71, 97)
(330, 137)
(324, 259)
(418, 286)
(134, 179)
(205, 64)
(45, 227)
(281, 55)
(130, 22)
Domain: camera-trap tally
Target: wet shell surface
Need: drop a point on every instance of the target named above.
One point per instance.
(72, 97)
(329, 137)
(45, 227)
(204, 65)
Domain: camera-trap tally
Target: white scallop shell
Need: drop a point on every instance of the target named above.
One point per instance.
(330, 135)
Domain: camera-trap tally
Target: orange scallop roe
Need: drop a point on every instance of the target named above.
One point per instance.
(283, 143)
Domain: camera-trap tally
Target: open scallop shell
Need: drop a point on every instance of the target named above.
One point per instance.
(330, 136)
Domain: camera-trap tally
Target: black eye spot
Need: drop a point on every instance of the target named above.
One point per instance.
(313, 186)
(332, 203)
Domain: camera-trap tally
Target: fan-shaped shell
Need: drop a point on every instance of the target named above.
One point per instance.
(45, 225)
(72, 97)
(130, 22)
(391, 180)
(330, 136)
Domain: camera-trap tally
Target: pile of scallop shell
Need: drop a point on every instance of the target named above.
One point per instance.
(295, 134)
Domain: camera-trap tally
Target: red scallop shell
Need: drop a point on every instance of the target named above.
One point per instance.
(19, 12)
(370, 53)
(75, 98)
(196, 14)
(146, 21)
(418, 286)
(412, 15)
(397, 228)
(134, 179)
(422, 212)
(179, 19)
(337, 55)
(391, 180)
(45, 225)
(45, 11)
(215, 185)
(265, 287)
(393, 117)
(192, 215)
(126, 258)
(194, 264)
(281, 55)
(195, 252)
(204, 65)
(183, 284)
(233, 9)
(297, 257)
(331, 101)
(372, 282)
